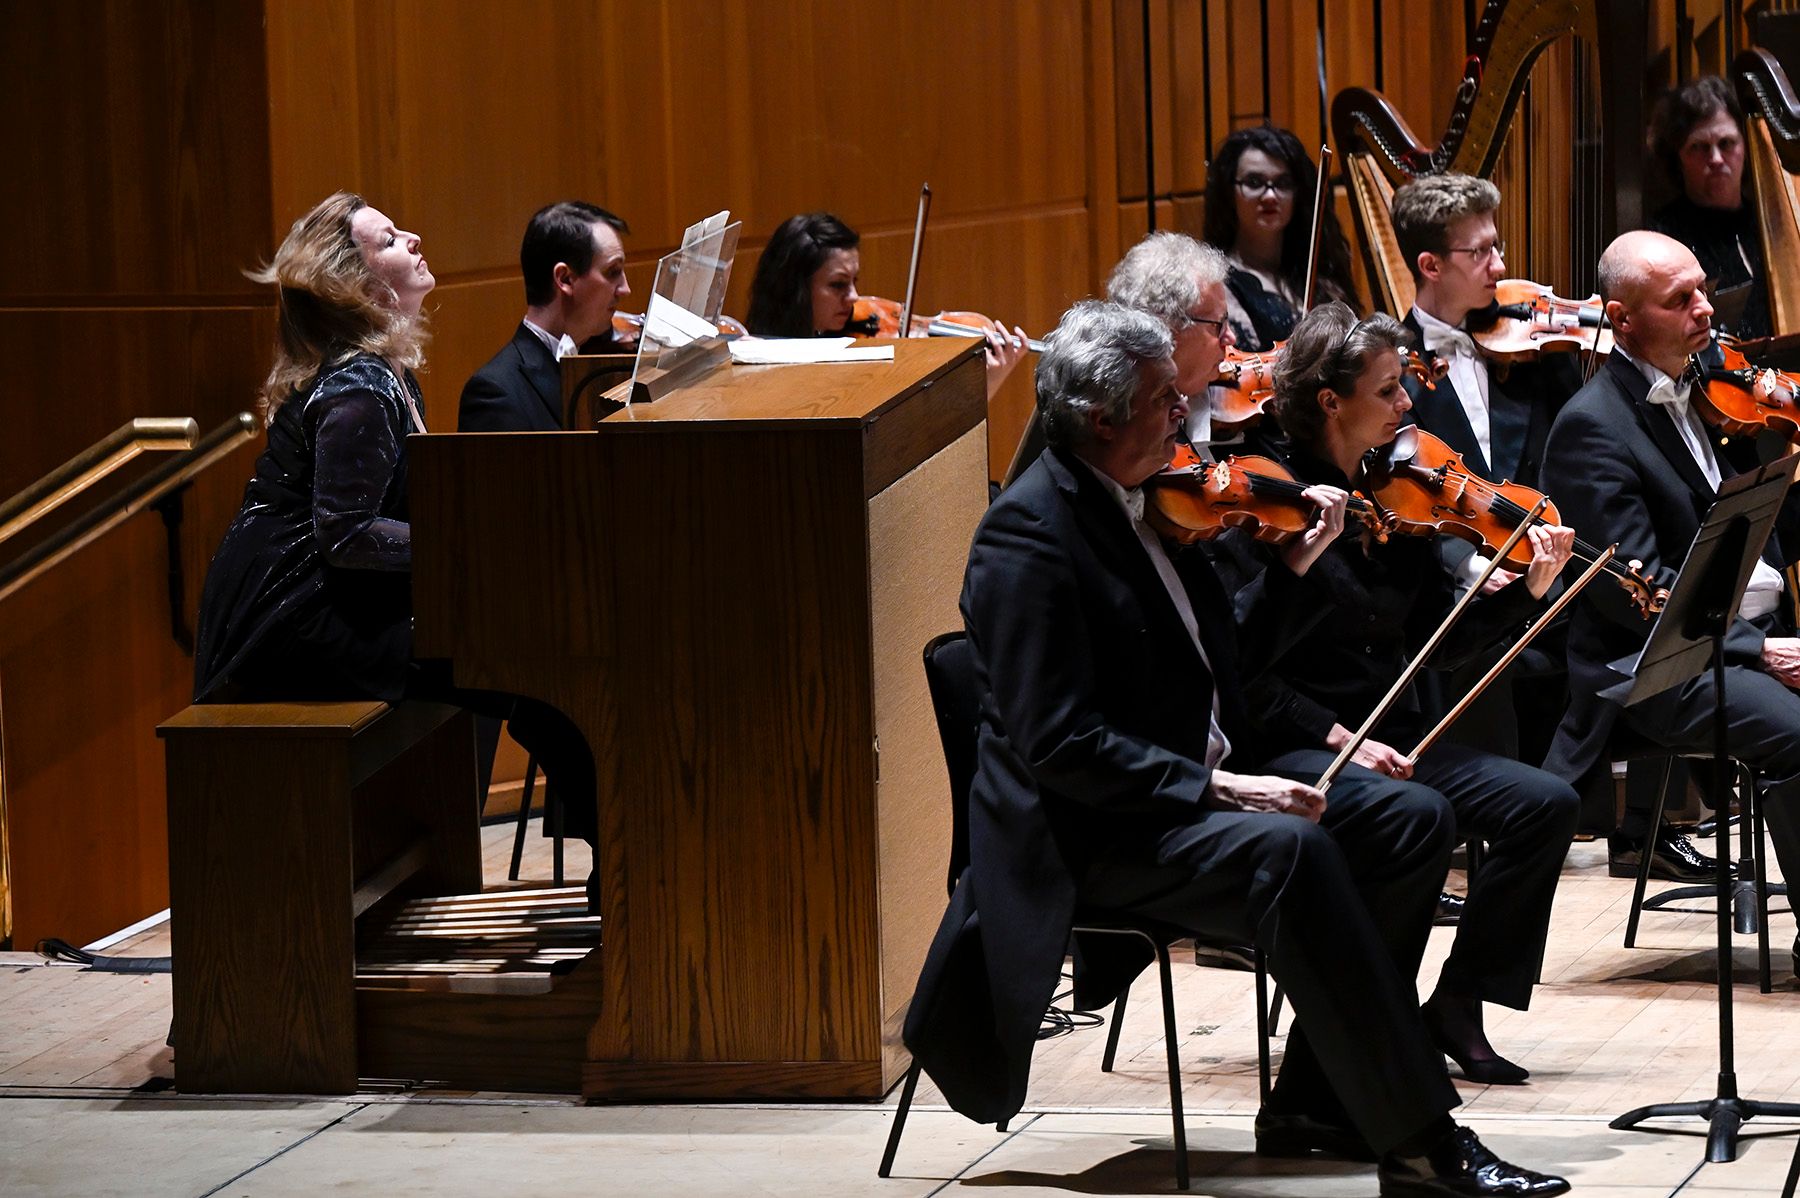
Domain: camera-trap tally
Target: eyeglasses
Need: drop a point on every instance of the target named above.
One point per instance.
(1189, 320)
(1480, 253)
(1255, 185)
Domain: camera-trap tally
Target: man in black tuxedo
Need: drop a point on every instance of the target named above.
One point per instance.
(1111, 704)
(1496, 417)
(1636, 466)
(574, 268)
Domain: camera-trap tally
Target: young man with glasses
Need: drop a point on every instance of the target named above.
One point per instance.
(1499, 420)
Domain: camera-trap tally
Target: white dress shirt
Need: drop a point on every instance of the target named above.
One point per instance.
(1132, 503)
(1763, 593)
(559, 347)
(1468, 374)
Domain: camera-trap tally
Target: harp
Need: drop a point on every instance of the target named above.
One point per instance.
(1380, 152)
(1772, 134)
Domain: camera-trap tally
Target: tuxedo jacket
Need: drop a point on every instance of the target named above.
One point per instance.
(1623, 474)
(1093, 739)
(518, 391)
(1523, 401)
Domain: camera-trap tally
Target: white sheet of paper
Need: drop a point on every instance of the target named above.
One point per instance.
(671, 324)
(796, 351)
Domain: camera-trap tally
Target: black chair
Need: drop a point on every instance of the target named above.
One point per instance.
(955, 698)
(553, 824)
(1750, 893)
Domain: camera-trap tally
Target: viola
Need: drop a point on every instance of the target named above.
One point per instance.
(627, 326)
(1192, 500)
(877, 317)
(1741, 398)
(1420, 485)
(1531, 319)
(1247, 380)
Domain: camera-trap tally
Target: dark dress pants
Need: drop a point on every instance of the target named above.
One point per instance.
(1763, 731)
(542, 730)
(1335, 905)
(1527, 818)
(323, 654)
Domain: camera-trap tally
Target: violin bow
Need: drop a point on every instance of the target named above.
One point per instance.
(1506, 659)
(1593, 355)
(1318, 228)
(1419, 659)
(912, 269)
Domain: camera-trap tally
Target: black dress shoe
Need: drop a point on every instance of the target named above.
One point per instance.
(1303, 1135)
(1708, 828)
(1449, 909)
(1460, 1165)
(1675, 859)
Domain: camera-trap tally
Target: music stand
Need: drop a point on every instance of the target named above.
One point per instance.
(1690, 631)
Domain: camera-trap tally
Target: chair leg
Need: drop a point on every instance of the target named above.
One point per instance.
(893, 1140)
(1275, 1010)
(1746, 912)
(1112, 1033)
(1168, 1000)
(512, 875)
(1262, 1026)
(1646, 852)
(553, 815)
(1750, 812)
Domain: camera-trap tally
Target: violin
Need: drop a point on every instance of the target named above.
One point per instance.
(1420, 485)
(1248, 382)
(1193, 500)
(627, 326)
(1741, 398)
(1531, 319)
(877, 317)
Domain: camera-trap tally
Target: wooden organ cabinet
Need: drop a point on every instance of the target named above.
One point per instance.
(727, 591)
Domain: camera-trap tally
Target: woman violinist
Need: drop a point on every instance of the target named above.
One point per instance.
(805, 286)
(1259, 199)
(1338, 397)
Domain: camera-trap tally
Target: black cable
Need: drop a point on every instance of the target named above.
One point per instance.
(62, 950)
(1060, 1022)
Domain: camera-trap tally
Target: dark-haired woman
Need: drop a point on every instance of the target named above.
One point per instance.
(1697, 137)
(805, 286)
(1259, 198)
(310, 593)
(1338, 397)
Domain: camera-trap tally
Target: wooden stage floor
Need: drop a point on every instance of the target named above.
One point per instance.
(85, 1107)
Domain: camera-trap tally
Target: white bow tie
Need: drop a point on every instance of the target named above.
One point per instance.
(1450, 343)
(565, 347)
(1134, 503)
(1667, 391)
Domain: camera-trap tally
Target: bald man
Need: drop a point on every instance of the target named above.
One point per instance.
(1633, 463)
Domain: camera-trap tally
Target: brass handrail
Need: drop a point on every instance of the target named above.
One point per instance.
(146, 433)
(127, 503)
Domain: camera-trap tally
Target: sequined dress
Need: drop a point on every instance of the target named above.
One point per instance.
(310, 592)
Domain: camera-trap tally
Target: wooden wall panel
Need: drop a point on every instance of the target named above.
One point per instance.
(86, 652)
(141, 130)
(133, 154)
